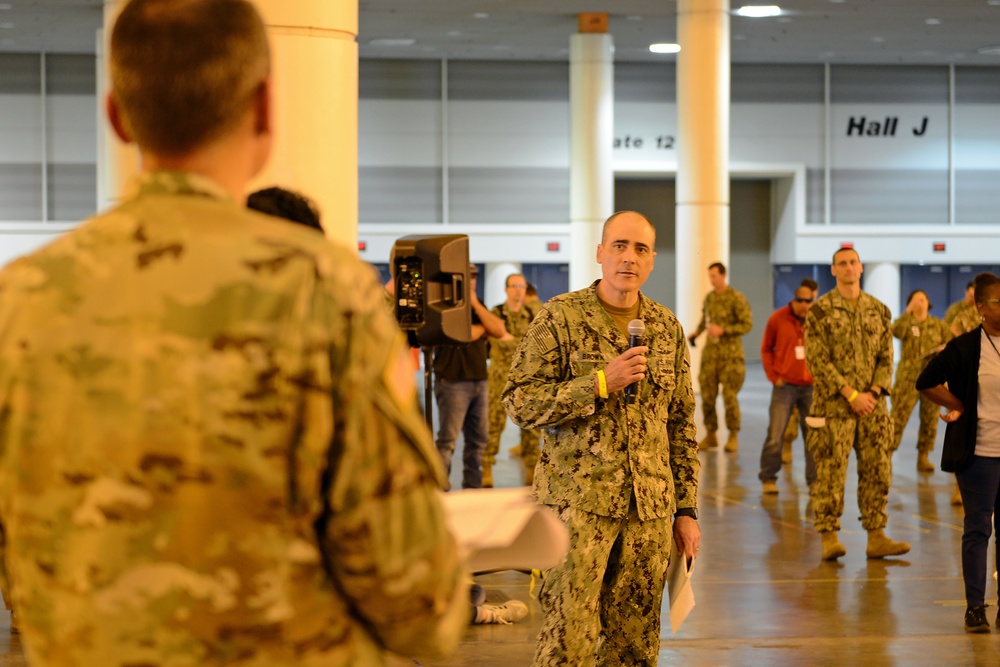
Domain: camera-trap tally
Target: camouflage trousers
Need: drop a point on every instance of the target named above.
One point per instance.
(831, 445)
(904, 398)
(530, 448)
(602, 605)
(725, 366)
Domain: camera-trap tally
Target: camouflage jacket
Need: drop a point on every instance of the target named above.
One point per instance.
(211, 452)
(962, 315)
(600, 452)
(847, 347)
(516, 323)
(921, 341)
(731, 311)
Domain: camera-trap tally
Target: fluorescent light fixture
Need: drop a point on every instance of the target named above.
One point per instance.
(933, 21)
(989, 51)
(480, 15)
(759, 11)
(392, 41)
(665, 48)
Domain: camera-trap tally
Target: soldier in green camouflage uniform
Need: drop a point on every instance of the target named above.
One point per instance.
(212, 453)
(727, 318)
(615, 472)
(849, 352)
(962, 316)
(923, 336)
(516, 315)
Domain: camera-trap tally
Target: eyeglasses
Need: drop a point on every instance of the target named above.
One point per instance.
(518, 285)
(799, 299)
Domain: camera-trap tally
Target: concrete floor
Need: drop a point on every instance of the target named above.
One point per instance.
(764, 598)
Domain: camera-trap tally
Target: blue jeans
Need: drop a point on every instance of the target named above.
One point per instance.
(463, 406)
(783, 400)
(979, 483)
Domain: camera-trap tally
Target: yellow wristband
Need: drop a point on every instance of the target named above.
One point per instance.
(853, 396)
(602, 384)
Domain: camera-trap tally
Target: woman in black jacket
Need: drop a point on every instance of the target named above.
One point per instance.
(965, 379)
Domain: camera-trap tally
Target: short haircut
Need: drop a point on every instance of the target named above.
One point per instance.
(983, 282)
(916, 292)
(840, 250)
(286, 204)
(718, 266)
(809, 284)
(506, 283)
(184, 72)
(604, 229)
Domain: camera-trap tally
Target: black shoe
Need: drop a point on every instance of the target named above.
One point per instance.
(975, 619)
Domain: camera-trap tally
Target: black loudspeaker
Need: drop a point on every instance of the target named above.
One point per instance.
(431, 274)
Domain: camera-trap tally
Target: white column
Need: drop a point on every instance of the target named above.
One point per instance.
(117, 162)
(592, 178)
(314, 55)
(883, 282)
(496, 281)
(702, 152)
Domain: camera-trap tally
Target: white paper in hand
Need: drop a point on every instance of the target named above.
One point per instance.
(679, 590)
(505, 529)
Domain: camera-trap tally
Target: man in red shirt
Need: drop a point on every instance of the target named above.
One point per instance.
(783, 351)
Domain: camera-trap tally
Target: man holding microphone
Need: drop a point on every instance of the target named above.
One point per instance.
(615, 471)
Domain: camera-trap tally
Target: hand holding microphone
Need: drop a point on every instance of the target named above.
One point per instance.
(629, 367)
(636, 330)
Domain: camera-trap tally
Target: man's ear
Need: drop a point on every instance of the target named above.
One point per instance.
(262, 110)
(116, 119)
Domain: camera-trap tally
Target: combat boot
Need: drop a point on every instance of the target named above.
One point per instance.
(487, 475)
(732, 443)
(880, 546)
(832, 548)
(923, 463)
(710, 441)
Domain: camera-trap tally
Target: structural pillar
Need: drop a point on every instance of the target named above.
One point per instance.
(882, 280)
(702, 235)
(314, 62)
(591, 175)
(117, 162)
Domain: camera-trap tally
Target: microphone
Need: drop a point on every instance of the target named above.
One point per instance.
(636, 328)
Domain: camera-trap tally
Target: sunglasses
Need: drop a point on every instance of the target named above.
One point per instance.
(799, 299)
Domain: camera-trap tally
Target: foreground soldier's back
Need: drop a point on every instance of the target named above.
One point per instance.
(210, 449)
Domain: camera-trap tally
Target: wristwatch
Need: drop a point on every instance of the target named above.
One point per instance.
(687, 511)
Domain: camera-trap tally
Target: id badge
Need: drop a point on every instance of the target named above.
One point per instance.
(915, 331)
(800, 352)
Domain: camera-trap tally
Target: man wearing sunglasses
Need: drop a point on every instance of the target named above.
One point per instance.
(783, 351)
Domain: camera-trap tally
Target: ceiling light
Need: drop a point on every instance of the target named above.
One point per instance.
(480, 15)
(933, 21)
(636, 17)
(392, 41)
(7, 26)
(759, 11)
(6, 6)
(989, 51)
(665, 48)
(993, 3)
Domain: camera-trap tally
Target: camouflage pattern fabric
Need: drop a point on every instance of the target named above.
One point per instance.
(613, 578)
(964, 316)
(611, 466)
(501, 355)
(920, 339)
(212, 452)
(849, 345)
(723, 361)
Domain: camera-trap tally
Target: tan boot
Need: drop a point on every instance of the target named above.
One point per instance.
(880, 546)
(732, 443)
(786, 452)
(832, 548)
(710, 441)
(923, 463)
(487, 475)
